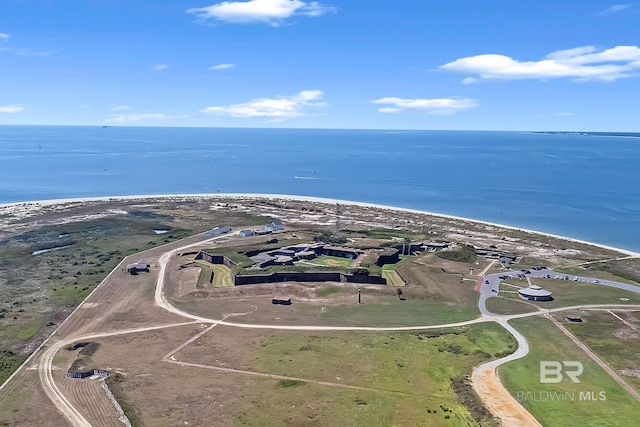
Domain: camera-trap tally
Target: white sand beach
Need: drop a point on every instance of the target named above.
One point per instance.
(16, 207)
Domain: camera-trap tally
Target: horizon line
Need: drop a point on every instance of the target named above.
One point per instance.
(324, 128)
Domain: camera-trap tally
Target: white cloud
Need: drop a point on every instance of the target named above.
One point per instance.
(160, 67)
(280, 108)
(10, 109)
(615, 8)
(565, 114)
(273, 12)
(131, 118)
(582, 64)
(221, 67)
(4, 37)
(120, 108)
(439, 106)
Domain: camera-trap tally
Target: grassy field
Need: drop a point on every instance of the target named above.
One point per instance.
(221, 275)
(393, 279)
(616, 343)
(440, 280)
(548, 343)
(205, 278)
(37, 292)
(410, 375)
(568, 292)
(626, 268)
(389, 234)
(508, 306)
(9, 362)
(331, 261)
(413, 311)
(388, 271)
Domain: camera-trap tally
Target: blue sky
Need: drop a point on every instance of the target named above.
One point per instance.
(405, 64)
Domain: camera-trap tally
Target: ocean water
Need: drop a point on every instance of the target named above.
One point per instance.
(581, 186)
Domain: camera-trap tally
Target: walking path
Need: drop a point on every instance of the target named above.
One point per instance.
(484, 378)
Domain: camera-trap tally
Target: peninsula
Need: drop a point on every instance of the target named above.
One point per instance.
(250, 309)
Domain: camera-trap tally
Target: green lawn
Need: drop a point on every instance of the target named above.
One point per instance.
(568, 292)
(508, 306)
(393, 312)
(413, 371)
(548, 343)
(332, 261)
(614, 342)
(393, 279)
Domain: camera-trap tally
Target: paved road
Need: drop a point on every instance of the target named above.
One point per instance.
(485, 379)
(491, 282)
(488, 289)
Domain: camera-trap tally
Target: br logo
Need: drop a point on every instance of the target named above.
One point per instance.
(552, 372)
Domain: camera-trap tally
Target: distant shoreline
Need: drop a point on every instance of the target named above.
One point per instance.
(309, 199)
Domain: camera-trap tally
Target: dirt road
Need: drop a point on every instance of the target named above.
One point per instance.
(484, 378)
(494, 395)
(613, 374)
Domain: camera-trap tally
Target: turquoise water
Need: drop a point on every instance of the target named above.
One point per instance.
(575, 185)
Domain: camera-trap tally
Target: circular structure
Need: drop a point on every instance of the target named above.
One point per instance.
(534, 293)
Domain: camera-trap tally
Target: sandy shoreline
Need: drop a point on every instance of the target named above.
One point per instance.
(308, 199)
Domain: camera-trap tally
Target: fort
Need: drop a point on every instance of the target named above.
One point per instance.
(275, 258)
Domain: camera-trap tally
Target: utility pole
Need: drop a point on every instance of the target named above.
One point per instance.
(337, 230)
(359, 296)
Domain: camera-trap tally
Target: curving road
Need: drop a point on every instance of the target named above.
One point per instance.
(492, 392)
(484, 377)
